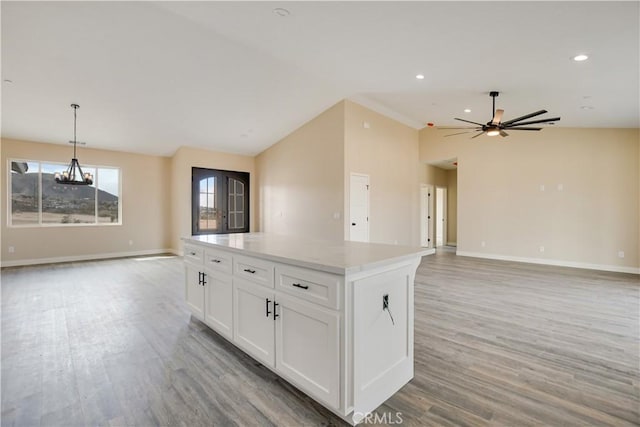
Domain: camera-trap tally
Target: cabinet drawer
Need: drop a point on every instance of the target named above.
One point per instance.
(315, 286)
(194, 254)
(255, 270)
(218, 260)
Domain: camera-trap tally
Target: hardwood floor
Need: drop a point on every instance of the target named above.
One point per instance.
(497, 344)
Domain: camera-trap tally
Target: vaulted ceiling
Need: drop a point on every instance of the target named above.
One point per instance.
(239, 76)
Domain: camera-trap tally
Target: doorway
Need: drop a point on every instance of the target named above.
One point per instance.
(359, 208)
(441, 216)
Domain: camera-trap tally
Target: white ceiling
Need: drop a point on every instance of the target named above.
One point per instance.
(236, 77)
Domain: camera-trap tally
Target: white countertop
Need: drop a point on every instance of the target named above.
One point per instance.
(338, 257)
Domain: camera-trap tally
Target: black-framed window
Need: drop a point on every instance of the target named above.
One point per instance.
(219, 201)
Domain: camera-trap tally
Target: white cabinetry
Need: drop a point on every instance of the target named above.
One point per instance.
(253, 321)
(308, 348)
(194, 290)
(339, 328)
(208, 288)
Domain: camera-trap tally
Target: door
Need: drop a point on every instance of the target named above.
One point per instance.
(219, 201)
(194, 291)
(307, 348)
(253, 320)
(219, 303)
(441, 216)
(426, 216)
(359, 208)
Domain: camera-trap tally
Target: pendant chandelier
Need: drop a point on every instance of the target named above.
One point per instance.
(73, 175)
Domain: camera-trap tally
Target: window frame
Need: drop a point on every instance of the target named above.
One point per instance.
(63, 166)
(222, 190)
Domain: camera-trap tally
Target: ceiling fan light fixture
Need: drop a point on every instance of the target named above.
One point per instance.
(493, 132)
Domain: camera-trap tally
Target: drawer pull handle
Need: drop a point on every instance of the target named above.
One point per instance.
(267, 306)
(298, 285)
(248, 270)
(275, 310)
(217, 261)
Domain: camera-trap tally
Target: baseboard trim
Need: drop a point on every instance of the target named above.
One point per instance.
(429, 251)
(91, 257)
(452, 243)
(559, 263)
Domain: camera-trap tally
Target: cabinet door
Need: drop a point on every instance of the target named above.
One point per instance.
(218, 306)
(308, 348)
(253, 329)
(194, 291)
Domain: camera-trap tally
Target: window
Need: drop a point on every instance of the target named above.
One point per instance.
(220, 201)
(37, 200)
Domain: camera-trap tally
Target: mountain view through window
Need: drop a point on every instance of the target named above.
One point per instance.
(36, 198)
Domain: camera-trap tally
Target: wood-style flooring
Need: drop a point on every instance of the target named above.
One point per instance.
(497, 344)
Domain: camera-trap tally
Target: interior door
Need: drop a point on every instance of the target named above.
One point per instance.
(253, 327)
(359, 208)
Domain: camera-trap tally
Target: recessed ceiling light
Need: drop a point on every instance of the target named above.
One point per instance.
(420, 76)
(586, 107)
(281, 11)
(467, 110)
(581, 57)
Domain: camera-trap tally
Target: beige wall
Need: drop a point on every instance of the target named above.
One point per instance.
(145, 207)
(452, 206)
(181, 163)
(594, 216)
(387, 151)
(301, 179)
(433, 175)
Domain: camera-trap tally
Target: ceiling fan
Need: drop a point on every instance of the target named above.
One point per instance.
(497, 127)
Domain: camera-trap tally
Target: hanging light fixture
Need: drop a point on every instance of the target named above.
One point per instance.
(73, 175)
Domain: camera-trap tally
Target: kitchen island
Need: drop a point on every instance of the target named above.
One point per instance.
(335, 319)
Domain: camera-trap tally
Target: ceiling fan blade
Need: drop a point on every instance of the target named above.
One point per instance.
(463, 120)
(453, 127)
(552, 119)
(497, 117)
(527, 116)
(459, 133)
(503, 133)
(477, 135)
(524, 128)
